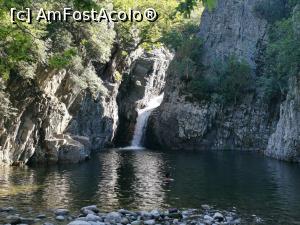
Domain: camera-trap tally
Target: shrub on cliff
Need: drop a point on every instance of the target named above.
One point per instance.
(282, 59)
(271, 10)
(226, 83)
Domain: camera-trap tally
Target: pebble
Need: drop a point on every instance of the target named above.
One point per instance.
(60, 218)
(113, 217)
(218, 217)
(92, 217)
(206, 207)
(173, 210)
(155, 213)
(79, 222)
(47, 223)
(41, 216)
(124, 217)
(124, 221)
(92, 208)
(7, 209)
(137, 222)
(149, 222)
(61, 212)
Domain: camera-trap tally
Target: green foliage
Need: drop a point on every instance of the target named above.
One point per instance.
(188, 58)
(118, 76)
(177, 36)
(60, 61)
(271, 10)
(186, 7)
(282, 59)
(227, 83)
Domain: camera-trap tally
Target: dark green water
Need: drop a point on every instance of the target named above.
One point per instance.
(133, 180)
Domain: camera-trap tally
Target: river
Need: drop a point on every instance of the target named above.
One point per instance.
(134, 180)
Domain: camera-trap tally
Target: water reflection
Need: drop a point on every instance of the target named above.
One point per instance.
(134, 180)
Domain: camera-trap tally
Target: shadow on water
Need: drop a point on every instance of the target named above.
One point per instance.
(134, 179)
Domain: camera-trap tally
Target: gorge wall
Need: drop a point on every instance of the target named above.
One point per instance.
(61, 116)
(231, 29)
(58, 119)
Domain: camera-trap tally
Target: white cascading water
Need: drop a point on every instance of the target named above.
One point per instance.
(142, 119)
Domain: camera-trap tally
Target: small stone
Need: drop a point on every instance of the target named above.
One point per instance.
(206, 207)
(47, 223)
(175, 215)
(27, 220)
(79, 222)
(41, 216)
(218, 217)
(237, 221)
(87, 211)
(13, 219)
(175, 221)
(137, 222)
(60, 218)
(208, 218)
(61, 212)
(92, 217)
(155, 213)
(92, 208)
(146, 215)
(7, 209)
(149, 222)
(229, 218)
(124, 221)
(173, 210)
(113, 217)
(127, 212)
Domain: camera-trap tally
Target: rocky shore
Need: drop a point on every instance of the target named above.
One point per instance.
(91, 215)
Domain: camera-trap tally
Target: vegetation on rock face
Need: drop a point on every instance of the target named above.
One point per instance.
(282, 55)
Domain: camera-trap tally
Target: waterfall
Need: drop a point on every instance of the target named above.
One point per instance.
(142, 119)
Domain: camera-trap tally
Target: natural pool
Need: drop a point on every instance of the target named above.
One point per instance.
(134, 180)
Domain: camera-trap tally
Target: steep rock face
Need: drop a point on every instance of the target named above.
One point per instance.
(145, 79)
(285, 141)
(58, 119)
(232, 29)
(180, 124)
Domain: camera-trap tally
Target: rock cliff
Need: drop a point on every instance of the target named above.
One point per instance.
(58, 118)
(231, 29)
(284, 143)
